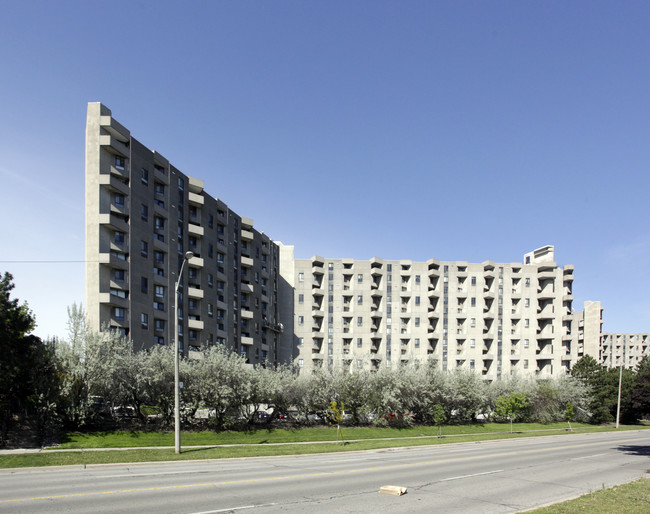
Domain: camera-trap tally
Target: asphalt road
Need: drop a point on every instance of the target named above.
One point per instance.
(485, 477)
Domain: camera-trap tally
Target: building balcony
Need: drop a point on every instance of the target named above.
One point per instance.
(114, 183)
(111, 299)
(160, 245)
(195, 230)
(193, 292)
(195, 185)
(196, 262)
(247, 262)
(246, 288)
(247, 235)
(195, 199)
(113, 261)
(246, 314)
(114, 145)
(247, 341)
(114, 127)
(195, 324)
(114, 221)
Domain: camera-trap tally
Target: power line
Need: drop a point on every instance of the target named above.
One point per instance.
(42, 262)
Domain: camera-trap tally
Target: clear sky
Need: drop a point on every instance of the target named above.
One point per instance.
(405, 130)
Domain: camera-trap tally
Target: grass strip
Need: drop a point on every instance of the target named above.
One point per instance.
(131, 439)
(249, 450)
(632, 498)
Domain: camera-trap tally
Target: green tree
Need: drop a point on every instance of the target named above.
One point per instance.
(638, 404)
(439, 417)
(512, 406)
(28, 378)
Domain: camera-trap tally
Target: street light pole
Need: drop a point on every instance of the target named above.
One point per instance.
(177, 386)
(620, 380)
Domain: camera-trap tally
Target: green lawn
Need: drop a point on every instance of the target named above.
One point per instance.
(630, 498)
(256, 443)
(125, 439)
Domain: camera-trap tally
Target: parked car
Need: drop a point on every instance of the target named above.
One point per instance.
(261, 415)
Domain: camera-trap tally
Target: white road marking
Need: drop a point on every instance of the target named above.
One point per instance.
(588, 456)
(236, 508)
(473, 475)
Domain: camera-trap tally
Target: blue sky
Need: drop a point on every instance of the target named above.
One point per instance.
(403, 130)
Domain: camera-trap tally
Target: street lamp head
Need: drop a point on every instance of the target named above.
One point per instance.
(188, 255)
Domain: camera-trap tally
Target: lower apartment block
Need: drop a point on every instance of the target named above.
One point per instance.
(243, 290)
(625, 350)
(496, 319)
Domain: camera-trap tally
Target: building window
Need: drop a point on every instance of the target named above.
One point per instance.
(417, 322)
(527, 282)
(159, 223)
(119, 275)
(417, 279)
(159, 325)
(120, 162)
(119, 238)
(118, 199)
(360, 278)
(144, 176)
(360, 300)
(472, 343)
(301, 340)
(473, 302)
(301, 277)
(472, 322)
(160, 257)
(526, 343)
(144, 321)
(417, 300)
(160, 291)
(210, 280)
(417, 342)
(301, 362)
(527, 302)
(301, 320)
(144, 248)
(193, 335)
(144, 284)
(159, 306)
(301, 298)
(119, 313)
(473, 281)
(359, 321)
(526, 323)
(144, 212)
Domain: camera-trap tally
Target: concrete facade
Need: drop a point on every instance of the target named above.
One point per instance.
(250, 293)
(142, 216)
(623, 350)
(497, 319)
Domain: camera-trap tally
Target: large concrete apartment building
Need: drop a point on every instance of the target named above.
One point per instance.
(142, 216)
(250, 293)
(497, 319)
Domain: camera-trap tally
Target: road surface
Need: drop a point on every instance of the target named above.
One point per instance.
(490, 476)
